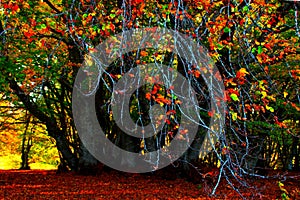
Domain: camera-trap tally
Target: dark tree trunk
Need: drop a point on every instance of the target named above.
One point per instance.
(63, 146)
(26, 146)
(25, 152)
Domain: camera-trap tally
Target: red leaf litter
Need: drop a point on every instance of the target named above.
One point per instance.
(39, 184)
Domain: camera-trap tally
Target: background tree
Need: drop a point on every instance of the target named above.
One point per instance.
(24, 143)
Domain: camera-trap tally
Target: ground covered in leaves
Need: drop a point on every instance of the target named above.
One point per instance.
(35, 184)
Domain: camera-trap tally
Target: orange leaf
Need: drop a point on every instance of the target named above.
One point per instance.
(241, 73)
(196, 73)
(143, 53)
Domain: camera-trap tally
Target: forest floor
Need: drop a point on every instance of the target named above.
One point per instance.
(41, 184)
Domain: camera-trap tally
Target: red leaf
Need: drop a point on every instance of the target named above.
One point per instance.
(15, 7)
(210, 113)
(112, 27)
(171, 112)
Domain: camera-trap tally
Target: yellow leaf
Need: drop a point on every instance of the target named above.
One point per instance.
(280, 184)
(233, 115)
(269, 108)
(243, 71)
(285, 94)
(272, 98)
(264, 94)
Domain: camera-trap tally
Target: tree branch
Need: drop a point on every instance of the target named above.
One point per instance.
(31, 106)
(52, 6)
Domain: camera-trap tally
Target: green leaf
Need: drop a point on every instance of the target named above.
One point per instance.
(112, 15)
(259, 50)
(43, 26)
(234, 97)
(174, 96)
(165, 7)
(95, 28)
(284, 196)
(253, 50)
(256, 33)
(219, 46)
(245, 9)
(52, 23)
(226, 30)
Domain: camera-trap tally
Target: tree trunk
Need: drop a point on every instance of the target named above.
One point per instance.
(62, 145)
(26, 147)
(88, 164)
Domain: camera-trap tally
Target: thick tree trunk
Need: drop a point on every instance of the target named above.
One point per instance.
(86, 127)
(62, 145)
(88, 164)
